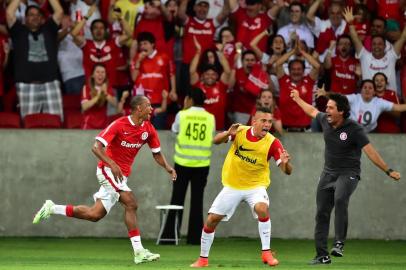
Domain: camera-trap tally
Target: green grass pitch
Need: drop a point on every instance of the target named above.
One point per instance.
(226, 253)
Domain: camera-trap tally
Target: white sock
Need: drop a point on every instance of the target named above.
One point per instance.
(264, 229)
(205, 243)
(136, 243)
(59, 210)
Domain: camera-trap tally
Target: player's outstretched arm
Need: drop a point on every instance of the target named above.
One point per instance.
(376, 158)
(222, 137)
(161, 160)
(285, 165)
(307, 108)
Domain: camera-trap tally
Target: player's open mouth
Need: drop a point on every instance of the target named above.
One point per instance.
(265, 129)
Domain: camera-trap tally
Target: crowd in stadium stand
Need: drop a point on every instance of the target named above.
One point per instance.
(81, 61)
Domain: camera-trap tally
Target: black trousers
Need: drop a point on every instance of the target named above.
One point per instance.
(334, 190)
(198, 180)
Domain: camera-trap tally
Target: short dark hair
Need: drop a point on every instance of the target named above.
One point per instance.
(294, 3)
(136, 101)
(367, 81)
(34, 7)
(378, 18)
(379, 36)
(207, 67)
(98, 21)
(342, 103)
(146, 36)
(382, 74)
(296, 61)
(197, 95)
(252, 2)
(264, 109)
(248, 52)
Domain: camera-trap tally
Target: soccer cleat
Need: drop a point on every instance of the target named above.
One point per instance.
(320, 260)
(44, 212)
(144, 255)
(267, 258)
(338, 249)
(201, 262)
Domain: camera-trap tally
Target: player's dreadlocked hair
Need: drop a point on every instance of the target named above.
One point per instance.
(342, 103)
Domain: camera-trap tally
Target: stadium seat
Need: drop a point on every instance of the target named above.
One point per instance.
(42, 120)
(9, 120)
(71, 102)
(114, 117)
(73, 119)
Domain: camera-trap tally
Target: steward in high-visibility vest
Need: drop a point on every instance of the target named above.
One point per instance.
(195, 128)
(195, 138)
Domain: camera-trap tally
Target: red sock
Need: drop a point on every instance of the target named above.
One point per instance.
(135, 232)
(69, 210)
(207, 229)
(265, 219)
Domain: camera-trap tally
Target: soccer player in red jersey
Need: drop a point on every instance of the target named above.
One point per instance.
(116, 147)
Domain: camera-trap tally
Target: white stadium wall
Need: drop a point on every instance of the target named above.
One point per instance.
(58, 164)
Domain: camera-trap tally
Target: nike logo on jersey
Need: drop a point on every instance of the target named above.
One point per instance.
(126, 133)
(241, 148)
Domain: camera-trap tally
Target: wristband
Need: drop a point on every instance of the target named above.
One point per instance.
(388, 171)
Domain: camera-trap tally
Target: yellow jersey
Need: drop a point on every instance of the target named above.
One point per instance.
(247, 165)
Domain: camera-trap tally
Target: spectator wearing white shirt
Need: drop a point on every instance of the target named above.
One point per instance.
(326, 30)
(70, 59)
(378, 60)
(296, 26)
(366, 107)
(82, 7)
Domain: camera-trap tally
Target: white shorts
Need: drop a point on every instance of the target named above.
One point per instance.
(228, 199)
(109, 188)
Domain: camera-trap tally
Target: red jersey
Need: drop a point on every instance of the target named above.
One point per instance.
(145, 25)
(203, 31)
(104, 53)
(96, 116)
(154, 76)
(248, 28)
(215, 102)
(390, 9)
(292, 114)
(246, 100)
(342, 75)
(123, 139)
(388, 123)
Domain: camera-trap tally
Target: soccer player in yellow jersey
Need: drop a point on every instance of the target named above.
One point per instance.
(245, 177)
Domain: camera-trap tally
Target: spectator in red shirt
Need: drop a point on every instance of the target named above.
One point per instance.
(153, 74)
(226, 38)
(344, 68)
(292, 115)
(100, 49)
(388, 122)
(116, 147)
(213, 85)
(250, 21)
(201, 28)
(95, 96)
(247, 79)
(268, 58)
